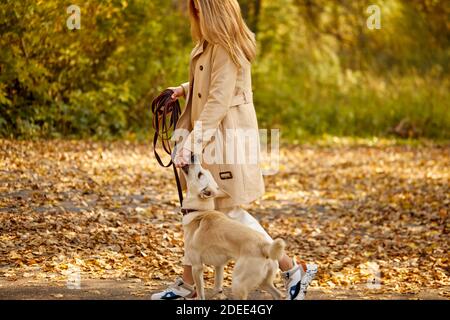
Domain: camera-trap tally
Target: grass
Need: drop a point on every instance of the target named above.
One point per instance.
(352, 103)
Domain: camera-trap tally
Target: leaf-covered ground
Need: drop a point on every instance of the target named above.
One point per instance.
(374, 217)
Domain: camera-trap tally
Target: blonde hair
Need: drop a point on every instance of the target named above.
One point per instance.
(220, 22)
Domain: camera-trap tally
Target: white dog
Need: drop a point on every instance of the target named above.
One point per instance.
(212, 238)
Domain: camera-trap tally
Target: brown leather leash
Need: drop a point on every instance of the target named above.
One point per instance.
(166, 112)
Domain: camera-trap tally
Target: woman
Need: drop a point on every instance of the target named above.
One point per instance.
(219, 99)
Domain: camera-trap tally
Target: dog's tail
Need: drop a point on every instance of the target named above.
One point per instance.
(274, 250)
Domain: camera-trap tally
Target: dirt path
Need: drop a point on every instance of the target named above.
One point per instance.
(136, 290)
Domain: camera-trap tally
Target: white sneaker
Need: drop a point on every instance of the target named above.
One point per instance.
(177, 291)
(297, 280)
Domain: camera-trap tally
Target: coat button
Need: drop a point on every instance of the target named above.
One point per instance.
(201, 68)
(200, 95)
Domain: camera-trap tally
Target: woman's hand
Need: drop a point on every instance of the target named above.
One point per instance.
(182, 158)
(178, 92)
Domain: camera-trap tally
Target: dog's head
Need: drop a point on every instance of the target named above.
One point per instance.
(200, 182)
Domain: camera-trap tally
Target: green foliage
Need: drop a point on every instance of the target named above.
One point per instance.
(319, 68)
(322, 71)
(94, 81)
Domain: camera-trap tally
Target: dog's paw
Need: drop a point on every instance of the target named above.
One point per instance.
(218, 295)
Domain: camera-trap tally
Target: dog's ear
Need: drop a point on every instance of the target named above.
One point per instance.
(207, 193)
(221, 194)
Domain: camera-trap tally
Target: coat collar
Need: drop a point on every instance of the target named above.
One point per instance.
(199, 48)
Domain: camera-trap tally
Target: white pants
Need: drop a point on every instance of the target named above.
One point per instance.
(241, 215)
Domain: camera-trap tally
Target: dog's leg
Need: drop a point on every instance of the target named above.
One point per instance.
(268, 285)
(246, 277)
(218, 281)
(197, 274)
(274, 292)
(239, 292)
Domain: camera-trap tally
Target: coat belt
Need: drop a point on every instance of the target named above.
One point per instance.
(243, 97)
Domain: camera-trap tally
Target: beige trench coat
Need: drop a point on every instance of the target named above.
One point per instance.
(219, 97)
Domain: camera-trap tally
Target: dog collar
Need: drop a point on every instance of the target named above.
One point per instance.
(185, 212)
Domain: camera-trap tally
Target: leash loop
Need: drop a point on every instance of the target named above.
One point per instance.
(166, 112)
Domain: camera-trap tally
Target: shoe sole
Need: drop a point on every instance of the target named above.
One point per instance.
(311, 270)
